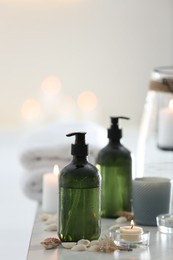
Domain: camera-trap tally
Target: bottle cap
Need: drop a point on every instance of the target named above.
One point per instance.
(80, 148)
(114, 132)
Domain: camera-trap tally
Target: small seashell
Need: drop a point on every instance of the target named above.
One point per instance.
(44, 217)
(84, 242)
(121, 220)
(51, 242)
(106, 242)
(127, 214)
(79, 247)
(93, 248)
(107, 245)
(51, 227)
(94, 242)
(68, 245)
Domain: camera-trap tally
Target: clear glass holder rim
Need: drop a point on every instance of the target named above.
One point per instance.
(143, 241)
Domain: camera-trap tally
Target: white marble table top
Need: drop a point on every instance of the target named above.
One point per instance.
(160, 247)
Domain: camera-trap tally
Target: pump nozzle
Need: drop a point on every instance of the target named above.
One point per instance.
(115, 120)
(115, 132)
(80, 148)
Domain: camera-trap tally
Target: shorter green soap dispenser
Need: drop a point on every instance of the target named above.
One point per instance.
(79, 196)
(115, 165)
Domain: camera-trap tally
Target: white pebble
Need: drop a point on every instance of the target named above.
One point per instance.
(79, 248)
(68, 245)
(94, 242)
(93, 248)
(51, 227)
(84, 242)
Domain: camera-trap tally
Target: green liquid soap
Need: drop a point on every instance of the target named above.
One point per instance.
(115, 165)
(80, 218)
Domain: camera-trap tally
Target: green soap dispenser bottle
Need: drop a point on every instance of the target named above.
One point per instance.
(79, 195)
(115, 165)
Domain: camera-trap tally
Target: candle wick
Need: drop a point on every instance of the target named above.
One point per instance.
(132, 226)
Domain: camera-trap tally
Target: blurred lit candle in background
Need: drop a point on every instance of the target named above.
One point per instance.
(50, 96)
(165, 127)
(31, 112)
(88, 105)
(50, 191)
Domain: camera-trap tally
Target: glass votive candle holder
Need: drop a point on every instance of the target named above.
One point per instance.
(130, 240)
(165, 223)
(155, 142)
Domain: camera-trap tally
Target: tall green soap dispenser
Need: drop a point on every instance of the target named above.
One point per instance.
(115, 165)
(79, 195)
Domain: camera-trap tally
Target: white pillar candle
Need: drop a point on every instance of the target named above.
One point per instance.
(131, 233)
(165, 127)
(50, 191)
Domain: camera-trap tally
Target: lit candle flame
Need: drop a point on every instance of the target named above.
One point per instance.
(171, 104)
(56, 170)
(132, 224)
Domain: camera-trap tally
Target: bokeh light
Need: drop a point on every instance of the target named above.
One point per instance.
(51, 85)
(30, 109)
(87, 101)
(171, 104)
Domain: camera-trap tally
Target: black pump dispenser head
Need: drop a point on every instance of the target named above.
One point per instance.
(80, 148)
(114, 132)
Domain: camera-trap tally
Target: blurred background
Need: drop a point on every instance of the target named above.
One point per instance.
(65, 60)
(78, 59)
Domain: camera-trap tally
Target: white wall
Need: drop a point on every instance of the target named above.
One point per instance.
(107, 46)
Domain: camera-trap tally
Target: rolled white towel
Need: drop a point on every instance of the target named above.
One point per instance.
(46, 147)
(31, 184)
(49, 146)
